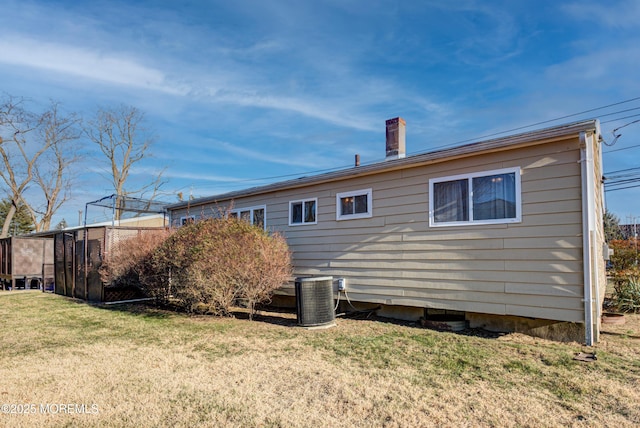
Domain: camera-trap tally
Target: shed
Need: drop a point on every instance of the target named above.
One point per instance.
(26, 262)
(79, 253)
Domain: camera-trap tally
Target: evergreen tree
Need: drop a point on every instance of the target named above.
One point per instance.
(611, 227)
(62, 225)
(21, 223)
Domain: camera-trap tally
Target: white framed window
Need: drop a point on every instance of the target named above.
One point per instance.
(355, 204)
(254, 215)
(303, 211)
(486, 197)
(187, 220)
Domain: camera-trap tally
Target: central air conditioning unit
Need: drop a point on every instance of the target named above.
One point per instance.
(314, 301)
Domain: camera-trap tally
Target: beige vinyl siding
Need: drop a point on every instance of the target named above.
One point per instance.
(532, 268)
(502, 269)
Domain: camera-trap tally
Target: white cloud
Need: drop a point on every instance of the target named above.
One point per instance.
(309, 160)
(82, 62)
(309, 106)
(605, 68)
(117, 69)
(617, 14)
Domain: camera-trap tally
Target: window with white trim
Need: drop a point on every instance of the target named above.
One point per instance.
(355, 204)
(486, 197)
(303, 211)
(187, 220)
(254, 215)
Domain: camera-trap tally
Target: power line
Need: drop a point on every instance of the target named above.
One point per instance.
(553, 120)
(622, 181)
(621, 188)
(268, 179)
(620, 118)
(618, 112)
(620, 149)
(622, 170)
(619, 183)
(630, 173)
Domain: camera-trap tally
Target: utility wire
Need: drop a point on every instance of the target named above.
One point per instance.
(632, 172)
(268, 179)
(633, 175)
(621, 182)
(626, 175)
(620, 118)
(551, 120)
(618, 112)
(621, 188)
(622, 170)
(620, 149)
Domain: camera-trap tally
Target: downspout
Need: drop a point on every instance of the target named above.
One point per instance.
(599, 263)
(588, 234)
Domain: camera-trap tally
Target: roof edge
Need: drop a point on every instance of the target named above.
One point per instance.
(540, 136)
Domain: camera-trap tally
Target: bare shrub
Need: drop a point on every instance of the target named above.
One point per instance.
(128, 260)
(206, 266)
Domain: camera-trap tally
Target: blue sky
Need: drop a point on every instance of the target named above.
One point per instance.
(244, 93)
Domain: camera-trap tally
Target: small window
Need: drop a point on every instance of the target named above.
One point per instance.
(303, 212)
(187, 220)
(253, 215)
(478, 198)
(351, 205)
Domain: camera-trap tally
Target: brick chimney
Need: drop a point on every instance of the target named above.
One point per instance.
(396, 138)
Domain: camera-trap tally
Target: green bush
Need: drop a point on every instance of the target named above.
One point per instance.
(627, 295)
(206, 266)
(625, 275)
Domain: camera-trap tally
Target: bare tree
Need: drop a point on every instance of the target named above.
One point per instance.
(17, 161)
(53, 173)
(35, 154)
(121, 137)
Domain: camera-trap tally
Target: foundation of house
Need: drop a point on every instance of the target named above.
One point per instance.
(545, 329)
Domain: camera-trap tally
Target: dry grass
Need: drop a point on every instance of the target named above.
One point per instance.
(145, 367)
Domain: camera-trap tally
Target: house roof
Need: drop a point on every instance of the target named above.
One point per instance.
(540, 136)
(124, 223)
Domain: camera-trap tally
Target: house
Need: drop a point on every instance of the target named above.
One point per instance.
(507, 232)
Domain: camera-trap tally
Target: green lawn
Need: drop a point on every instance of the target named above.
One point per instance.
(66, 363)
